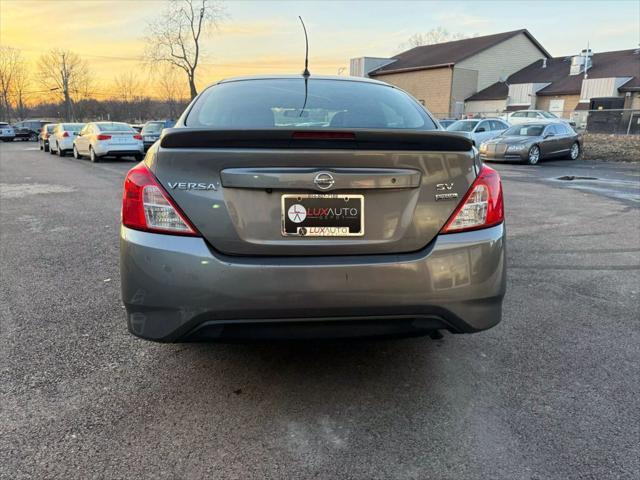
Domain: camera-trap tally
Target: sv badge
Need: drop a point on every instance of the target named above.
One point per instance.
(445, 187)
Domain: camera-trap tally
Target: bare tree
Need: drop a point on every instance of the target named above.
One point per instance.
(433, 36)
(170, 91)
(10, 66)
(129, 87)
(175, 37)
(19, 93)
(64, 72)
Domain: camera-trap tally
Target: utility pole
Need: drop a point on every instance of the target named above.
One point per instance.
(65, 88)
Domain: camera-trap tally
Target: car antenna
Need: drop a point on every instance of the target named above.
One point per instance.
(306, 73)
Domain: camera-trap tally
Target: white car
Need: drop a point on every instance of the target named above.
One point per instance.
(7, 133)
(526, 116)
(479, 130)
(62, 137)
(108, 139)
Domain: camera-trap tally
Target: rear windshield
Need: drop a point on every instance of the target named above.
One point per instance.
(72, 127)
(114, 127)
(462, 126)
(524, 131)
(283, 103)
(153, 127)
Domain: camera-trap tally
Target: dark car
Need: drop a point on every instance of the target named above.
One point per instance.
(295, 207)
(532, 142)
(43, 137)
(152, 130)
(29, 129)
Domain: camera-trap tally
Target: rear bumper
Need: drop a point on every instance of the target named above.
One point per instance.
(116, 150)
(507, 157)
(178, 289)
(65, 143)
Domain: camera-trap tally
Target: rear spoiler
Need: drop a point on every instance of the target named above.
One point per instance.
(368, 139)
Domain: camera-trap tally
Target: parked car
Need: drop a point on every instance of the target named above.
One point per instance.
(478, 130)
(533, 142)
(62, 137)
(108, 139)
(7, 133)
(152, 130)
(525, 116)
(445, 122)
(244, 221)
(29, 129)
(43, 136)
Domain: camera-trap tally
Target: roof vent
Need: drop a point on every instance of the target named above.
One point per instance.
(544, 62)
(581, 63)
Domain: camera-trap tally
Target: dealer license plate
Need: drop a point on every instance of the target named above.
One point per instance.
(322, 215)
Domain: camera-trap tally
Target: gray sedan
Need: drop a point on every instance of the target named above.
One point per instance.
(310, 207)
(533, 142)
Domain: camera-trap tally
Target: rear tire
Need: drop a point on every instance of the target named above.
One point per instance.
(575, 151)
(534, 155)
(92, 156)
(51, 150)
(59, 150)
(138, 157)
(76, 154)
(45, 147)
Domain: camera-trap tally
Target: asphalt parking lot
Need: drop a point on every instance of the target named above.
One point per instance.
(550, 393)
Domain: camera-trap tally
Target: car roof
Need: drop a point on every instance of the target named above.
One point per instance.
(543, 122)
(536, 123)
(298, 76)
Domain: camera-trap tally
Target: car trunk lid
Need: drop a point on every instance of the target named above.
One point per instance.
(237, 186)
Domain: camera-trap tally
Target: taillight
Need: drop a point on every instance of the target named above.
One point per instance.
(65, 134)
(147, 206)
(481, 207)
(137, 136)
(102, 136)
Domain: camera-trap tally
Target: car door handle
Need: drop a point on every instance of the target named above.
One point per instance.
(305, 178)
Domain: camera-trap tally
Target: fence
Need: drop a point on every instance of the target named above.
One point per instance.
(613, 121)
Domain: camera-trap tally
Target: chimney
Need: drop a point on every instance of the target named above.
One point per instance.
(581, 63)
(544, 62)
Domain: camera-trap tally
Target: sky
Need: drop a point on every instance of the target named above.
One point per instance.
(265, 36)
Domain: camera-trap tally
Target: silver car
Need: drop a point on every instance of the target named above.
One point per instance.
(478, 130)
(107, 139)
(291, 207)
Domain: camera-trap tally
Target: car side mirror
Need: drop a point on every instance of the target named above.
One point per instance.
(480, 130)
(550, 134)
